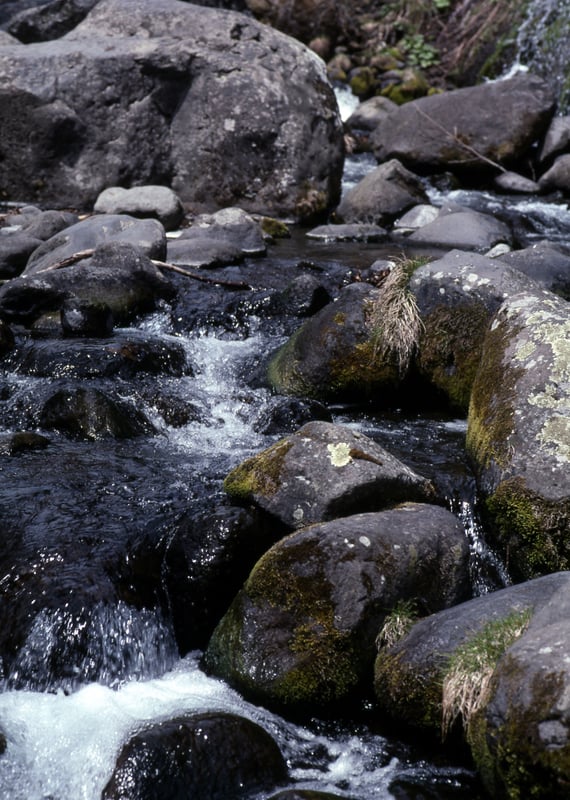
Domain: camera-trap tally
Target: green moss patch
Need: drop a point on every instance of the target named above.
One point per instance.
(259, 475)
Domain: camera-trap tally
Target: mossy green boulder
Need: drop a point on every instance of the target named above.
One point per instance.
(300, 634)
(519, 432)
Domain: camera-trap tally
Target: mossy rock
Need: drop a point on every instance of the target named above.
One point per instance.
(300, 635)
(519, 432)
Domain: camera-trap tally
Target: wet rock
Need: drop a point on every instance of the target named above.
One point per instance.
(465, 230)
(157, 202)
(20, 442)
(456, 296)
(157, 72)
(147, 235)
(117, 276)
(208, 557)
(521, 737)
(7, 340)
(287, 414)
(498, 120)
(325, 471)
(352, 232)
(15, 250)
(45, 224)
(209, 756)
(300, 635)
(382, 195)
(417, 217)
(557, 177)
(545, 263)
(304, 794)
(91, 414)
(518, 432)
(556, 140)
(126, 355)
(333, 354)
(225, 237)
(303, 297)
(86, 319)
(410, 673)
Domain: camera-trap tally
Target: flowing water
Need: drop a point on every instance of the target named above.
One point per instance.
(69, 512)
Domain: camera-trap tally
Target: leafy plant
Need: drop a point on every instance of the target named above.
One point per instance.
(419, 53)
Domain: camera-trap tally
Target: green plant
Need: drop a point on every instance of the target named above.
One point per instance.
(397, 623)
(467, 680)
(394, 319)
(419, 53)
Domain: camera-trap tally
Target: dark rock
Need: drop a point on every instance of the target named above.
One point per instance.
(208, 557)
(513, 183)
(368, 114)
(286, 414)
(210, 756)
(325, 471)
(20, 442)
(300, 634)
(125, 355)
(158, 202)
(333, 355)
(557, 177)
(409, 674)
(90, 414)
(382, 195)
(15, 250)
(43, 224)
(156, 71)
(457, 296)
(557, 139)
(545, 263)
(7, 340)
(147, 235)
(518, 432)
(86, 319)
(499, 121)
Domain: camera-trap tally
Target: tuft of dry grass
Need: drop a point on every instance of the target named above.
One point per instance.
(397, 623)
(394, 318)
(468, 678)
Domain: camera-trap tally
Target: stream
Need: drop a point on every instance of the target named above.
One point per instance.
(70, 511)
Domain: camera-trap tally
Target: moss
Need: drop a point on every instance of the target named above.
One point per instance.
(410, 696)
(510, 755)
(450, 350)
(259, 475)
(283, 373)
(491, 407)
(361, 371)
(531, 532)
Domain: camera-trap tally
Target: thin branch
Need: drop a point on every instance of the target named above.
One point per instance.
(79, 256)
(455, 138)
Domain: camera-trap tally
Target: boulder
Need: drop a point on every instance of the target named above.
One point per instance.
(286, 414)
(352, 232)
(457, 296)
(333, 354)
(300, 634)
(519, 432)
(415, 656)
(463, 229)
(118, 277)
(15, 250)
(521, 735)
(556, 140)
(368, 114)
(147, 235)
(513, 183)
(557, 178)
(460, 130)
(157, 202)
(545, 263)
(12, 444)
(49, 20)
(324, 471)
(382, 195)
(226, 237)
(206, 756)
(40, 224)
(173, 94)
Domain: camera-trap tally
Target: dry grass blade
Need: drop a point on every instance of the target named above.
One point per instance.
(467, 681)
(394, 319)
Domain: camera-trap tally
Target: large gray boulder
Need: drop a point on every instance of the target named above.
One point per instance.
(325, 471)
(165, 92)
(546, 263)
(301, 633)
(519, 431)
(464, 229)
(457, 296)
(459, 130)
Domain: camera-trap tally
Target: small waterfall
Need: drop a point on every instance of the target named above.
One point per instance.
(543, 46)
